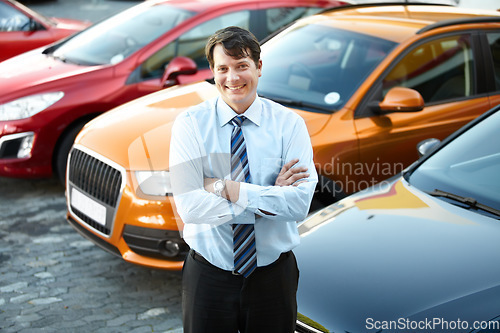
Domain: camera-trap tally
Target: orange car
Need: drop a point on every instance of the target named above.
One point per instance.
(371, 81)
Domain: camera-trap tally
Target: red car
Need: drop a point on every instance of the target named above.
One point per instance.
(50, 93)
(22, 29)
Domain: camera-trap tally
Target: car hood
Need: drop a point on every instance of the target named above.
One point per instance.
(395, 252)
(136, 135)
(34, 72)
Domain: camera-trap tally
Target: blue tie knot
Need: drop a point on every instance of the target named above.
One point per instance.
(238, 120)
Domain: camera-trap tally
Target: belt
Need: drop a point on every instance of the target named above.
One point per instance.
(198, 257)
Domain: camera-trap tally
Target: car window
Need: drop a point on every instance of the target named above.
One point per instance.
(323, 70)
(192, 43)
(467, 166)
(114, 39)
(12, 20)
(277, 18)
(439, 70)
(494, 41)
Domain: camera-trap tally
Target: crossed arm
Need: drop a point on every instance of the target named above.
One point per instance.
(287, 200)
(288, 175)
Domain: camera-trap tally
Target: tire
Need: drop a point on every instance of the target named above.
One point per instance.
(62, 152)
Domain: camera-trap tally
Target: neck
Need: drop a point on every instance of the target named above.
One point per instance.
(240, 108)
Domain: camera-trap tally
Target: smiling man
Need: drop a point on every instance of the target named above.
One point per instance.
(242, 176)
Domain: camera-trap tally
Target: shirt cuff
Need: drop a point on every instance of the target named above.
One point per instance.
(249, 198)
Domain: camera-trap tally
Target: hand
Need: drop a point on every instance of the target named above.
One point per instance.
(208, 184)
(291, 176)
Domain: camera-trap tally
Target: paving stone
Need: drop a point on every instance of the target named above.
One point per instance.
(173, 324)
(14, 287)
(23, 298)
(121, 320)
(176, 330)
(44, 275)
(152, 313)
(27, 318)
(53, 280)
(142, 329)
(43, 301)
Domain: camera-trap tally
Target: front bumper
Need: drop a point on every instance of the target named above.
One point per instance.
(104, 208)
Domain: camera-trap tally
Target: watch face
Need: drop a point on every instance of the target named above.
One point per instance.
(219, 185)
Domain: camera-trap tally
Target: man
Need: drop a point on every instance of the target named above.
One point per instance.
(239, 189)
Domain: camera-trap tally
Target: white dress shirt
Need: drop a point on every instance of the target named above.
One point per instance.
(200, 148)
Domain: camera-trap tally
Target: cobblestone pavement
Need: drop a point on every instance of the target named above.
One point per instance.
(54, 280)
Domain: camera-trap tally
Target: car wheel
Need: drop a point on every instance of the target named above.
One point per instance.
(62, 152)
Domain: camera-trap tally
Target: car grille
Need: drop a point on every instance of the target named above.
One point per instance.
(99, 181)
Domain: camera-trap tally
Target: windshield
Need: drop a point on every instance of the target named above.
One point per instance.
(318, 66)
(469, 166)
(114, 39)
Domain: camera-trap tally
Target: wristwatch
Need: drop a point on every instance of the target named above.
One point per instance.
(219, 186)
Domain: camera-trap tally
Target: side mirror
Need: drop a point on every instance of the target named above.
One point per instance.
(178, 66)
(426, 146)
(34, 25)
(401, 99)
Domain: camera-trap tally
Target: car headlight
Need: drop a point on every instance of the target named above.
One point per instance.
(154, 182)
(26, 107)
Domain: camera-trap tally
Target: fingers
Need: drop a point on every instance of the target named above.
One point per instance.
(298, 176)
(290, 175)
(296, 173)
(288, 166)
(291, 179)
(293, 171)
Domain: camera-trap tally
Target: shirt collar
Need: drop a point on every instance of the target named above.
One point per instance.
(225, 113)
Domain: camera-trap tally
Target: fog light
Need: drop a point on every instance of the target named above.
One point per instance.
(169, 248)
(26, 146)
(18, 145)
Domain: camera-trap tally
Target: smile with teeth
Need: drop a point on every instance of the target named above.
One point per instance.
(235, 88)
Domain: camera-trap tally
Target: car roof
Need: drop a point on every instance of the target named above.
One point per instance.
(202, 5)
(396, 22)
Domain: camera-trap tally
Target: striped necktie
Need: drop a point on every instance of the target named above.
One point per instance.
(245, 254)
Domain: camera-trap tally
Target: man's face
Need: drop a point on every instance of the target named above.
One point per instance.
(236, 79)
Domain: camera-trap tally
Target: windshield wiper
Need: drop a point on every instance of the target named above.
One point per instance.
(60, 58)
(299, 104)
(471, 202)
(75, 62)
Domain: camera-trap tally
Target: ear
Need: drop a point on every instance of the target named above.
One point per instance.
(259, 68)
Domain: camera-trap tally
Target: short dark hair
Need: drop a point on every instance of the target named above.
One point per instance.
(237, 42)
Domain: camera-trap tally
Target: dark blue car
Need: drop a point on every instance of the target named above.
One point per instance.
(417, 253)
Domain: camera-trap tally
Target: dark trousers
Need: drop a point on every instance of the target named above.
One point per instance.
(216, 301)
